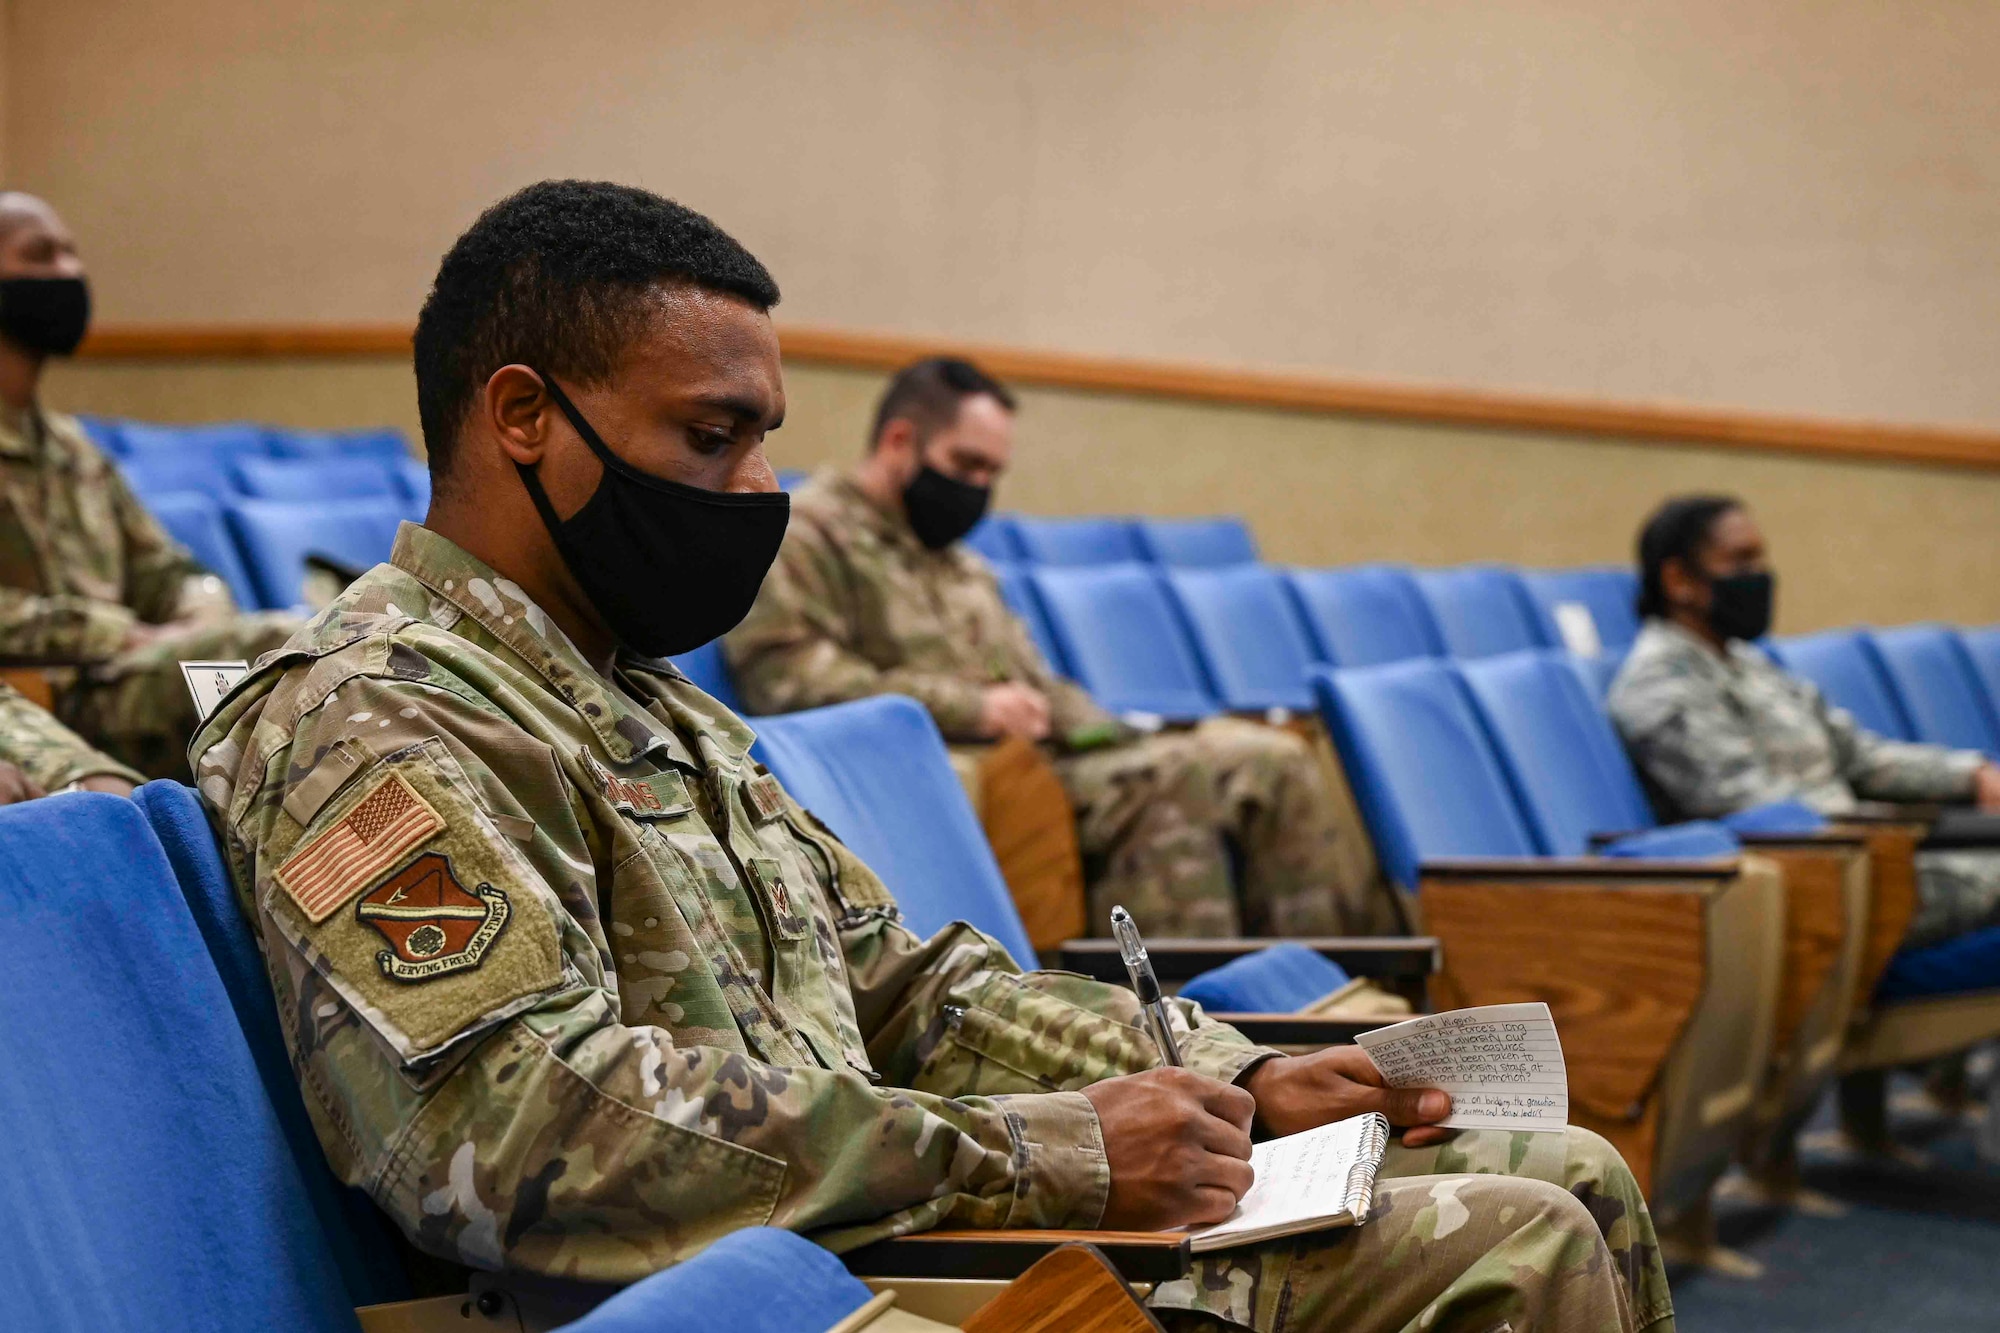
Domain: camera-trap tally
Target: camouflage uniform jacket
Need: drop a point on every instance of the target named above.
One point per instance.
(573, 987)
(1713, 734)
(856, 606)
(54, 756)
(80, 558)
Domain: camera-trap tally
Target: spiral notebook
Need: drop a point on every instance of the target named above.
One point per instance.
(1313, 1181)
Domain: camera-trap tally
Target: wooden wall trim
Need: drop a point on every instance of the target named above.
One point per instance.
(1238, 387)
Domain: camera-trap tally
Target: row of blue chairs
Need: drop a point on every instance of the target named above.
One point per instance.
(256, 477)
(259, 547)
(137, 440)
(1929, 683)
(1510, 756)
(1186, 643)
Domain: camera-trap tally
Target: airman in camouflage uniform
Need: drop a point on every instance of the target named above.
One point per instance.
(89, 582)
(856, 605)
(49, 753)
(1716, 732)
(88, 577)
(573, 988)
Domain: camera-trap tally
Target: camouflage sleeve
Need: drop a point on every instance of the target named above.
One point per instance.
(159, 570)
(61, 628)
(1696, 750)
(476, 1077)
(795, 651)
(955, 1015)
(46, 750)
(1880, 769)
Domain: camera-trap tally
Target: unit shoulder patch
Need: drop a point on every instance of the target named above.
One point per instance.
(338, 863)
(433, 924)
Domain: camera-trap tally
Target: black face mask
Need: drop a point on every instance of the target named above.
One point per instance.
(46, 315)
(668, 566)
(942, 509)
(1739, 605)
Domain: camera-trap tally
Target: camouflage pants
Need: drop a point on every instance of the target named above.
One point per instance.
(1157, 817)
(136, 707)
(1957, 892)
(1489, 1231)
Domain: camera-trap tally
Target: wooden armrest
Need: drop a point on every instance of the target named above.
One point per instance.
(1302, 1029)
(1520, 869)
(1892, 899)
(1388, 957)
(1139, 1256)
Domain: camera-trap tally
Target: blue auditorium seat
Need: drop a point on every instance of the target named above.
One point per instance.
(1246, 629)
(221, 439)
(1595, 673)
(1982, 646)
(413, 479)
(996, 538)
(149, 1185)
(1278, 980)
(1608, 593)
(1935, 681)
(760, 1279)
(276, 536)
(1568, 768)
(1076, 541)
(1847, 667)
(706, 668)
(338, 478)
(1124, 641)
(382, 442)
(165, 473)
(196, 521)
(1398, 727)
(1019, 592)
(1571, 776)
(1480, 610)
(1196, 542)
(357, 1233)
(1364, 615)
(876, 772)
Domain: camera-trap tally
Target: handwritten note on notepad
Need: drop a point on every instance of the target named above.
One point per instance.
(1501, 1063)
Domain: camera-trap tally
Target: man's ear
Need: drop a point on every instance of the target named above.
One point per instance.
(517, 408)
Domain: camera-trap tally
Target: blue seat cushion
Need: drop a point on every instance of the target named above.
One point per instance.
(1698, 840)
(1279, 980)
(758, 1280)
(1968, 963)
(1776, 817)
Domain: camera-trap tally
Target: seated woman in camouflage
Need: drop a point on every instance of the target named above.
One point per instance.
(1715, 726)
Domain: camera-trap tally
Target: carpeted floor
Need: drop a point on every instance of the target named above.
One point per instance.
(1917, 1249)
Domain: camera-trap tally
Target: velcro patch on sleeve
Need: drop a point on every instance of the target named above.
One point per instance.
(340, 862)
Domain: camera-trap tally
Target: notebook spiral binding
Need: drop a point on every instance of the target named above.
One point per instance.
(1361, 1177)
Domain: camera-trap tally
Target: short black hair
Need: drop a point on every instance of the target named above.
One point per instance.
(928, 393)
(1677, 530)
(560, 276)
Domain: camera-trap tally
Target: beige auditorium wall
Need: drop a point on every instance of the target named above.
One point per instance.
(1786, 205)
(1855, 540)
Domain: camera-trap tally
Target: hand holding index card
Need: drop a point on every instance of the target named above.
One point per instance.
(1501, 1063)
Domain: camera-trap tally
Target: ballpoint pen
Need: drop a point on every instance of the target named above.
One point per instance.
(1140, 968)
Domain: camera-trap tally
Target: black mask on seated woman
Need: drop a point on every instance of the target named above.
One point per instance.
(1739, 605)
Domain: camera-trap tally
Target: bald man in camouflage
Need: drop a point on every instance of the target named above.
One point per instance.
(574, 987)
(874, 593)
(89, 581)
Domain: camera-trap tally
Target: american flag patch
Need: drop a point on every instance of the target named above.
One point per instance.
(340, 862)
